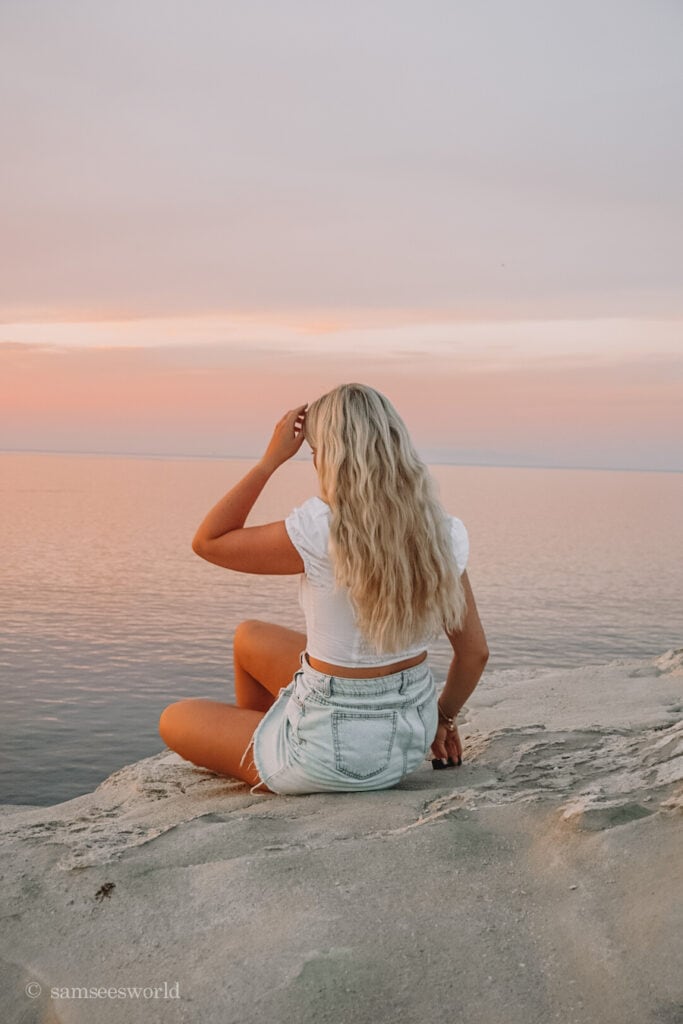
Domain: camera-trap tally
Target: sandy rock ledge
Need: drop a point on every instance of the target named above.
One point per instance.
(539, 882)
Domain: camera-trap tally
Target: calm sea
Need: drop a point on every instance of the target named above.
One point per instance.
(107, 615)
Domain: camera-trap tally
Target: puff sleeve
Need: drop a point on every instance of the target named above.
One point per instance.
(461, 542)
(307, 526)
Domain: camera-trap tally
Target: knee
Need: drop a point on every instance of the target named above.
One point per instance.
(246, 633)
(168, 722)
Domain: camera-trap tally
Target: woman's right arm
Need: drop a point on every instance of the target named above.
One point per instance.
(470, 654)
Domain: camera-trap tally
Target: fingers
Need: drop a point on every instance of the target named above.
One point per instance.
(296, 417)
(294, 413)
(438, 747)
(293, 421)
(288, 436)
(446, 749)
(453, 745)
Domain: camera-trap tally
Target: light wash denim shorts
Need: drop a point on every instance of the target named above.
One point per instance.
(329, 733)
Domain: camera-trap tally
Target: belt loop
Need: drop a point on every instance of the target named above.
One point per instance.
(323, 681)
(402, 687)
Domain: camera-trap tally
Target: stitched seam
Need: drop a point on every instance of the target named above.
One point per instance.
(338, 716)
(420, 710)
(327, 702)
(409, 744)
(340, 700)
(359, 691)
(295, 717)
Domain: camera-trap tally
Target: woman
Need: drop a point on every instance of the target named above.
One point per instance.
(351, 704)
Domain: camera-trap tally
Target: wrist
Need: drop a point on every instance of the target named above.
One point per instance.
(446, 715)
(267, 465)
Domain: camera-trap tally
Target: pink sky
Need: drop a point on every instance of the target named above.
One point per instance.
(619, 410)
(207, 218)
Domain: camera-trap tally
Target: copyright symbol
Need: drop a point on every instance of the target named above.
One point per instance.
(33, 989)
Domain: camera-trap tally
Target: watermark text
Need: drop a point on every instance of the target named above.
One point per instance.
(166, 990)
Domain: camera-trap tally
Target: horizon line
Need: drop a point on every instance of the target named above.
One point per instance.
(255, 458)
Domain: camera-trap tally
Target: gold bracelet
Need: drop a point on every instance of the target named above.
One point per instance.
(450, 721)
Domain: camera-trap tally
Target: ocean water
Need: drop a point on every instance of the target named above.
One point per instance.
(107, 615)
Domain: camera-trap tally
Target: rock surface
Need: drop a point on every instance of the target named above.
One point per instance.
(538, 882)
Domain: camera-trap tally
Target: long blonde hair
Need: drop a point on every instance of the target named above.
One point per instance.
(390, 541)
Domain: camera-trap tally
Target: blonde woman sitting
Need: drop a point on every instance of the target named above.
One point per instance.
(352, 703)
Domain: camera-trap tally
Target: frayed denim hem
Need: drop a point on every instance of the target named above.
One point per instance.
(252, 764)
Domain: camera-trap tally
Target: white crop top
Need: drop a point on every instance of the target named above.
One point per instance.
(332, 634)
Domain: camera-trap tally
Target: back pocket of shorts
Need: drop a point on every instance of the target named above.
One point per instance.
(363, 741)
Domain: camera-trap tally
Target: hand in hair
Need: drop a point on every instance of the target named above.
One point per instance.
(287, 437)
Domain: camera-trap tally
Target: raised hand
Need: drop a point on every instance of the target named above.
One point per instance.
(287, 437)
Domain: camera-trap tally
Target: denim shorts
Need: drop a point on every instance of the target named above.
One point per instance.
(329, 733)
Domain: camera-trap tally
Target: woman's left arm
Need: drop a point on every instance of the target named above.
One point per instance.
(221, 537)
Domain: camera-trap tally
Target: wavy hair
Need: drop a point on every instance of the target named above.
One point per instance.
(390, 540)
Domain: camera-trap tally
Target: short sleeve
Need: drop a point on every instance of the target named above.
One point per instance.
(461, 543)
(307, 526)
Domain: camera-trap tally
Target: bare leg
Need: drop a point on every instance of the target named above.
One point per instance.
(266, 656)
(212, 735)
(215, 735)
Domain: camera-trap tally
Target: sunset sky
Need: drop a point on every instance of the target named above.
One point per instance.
(214, 211)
